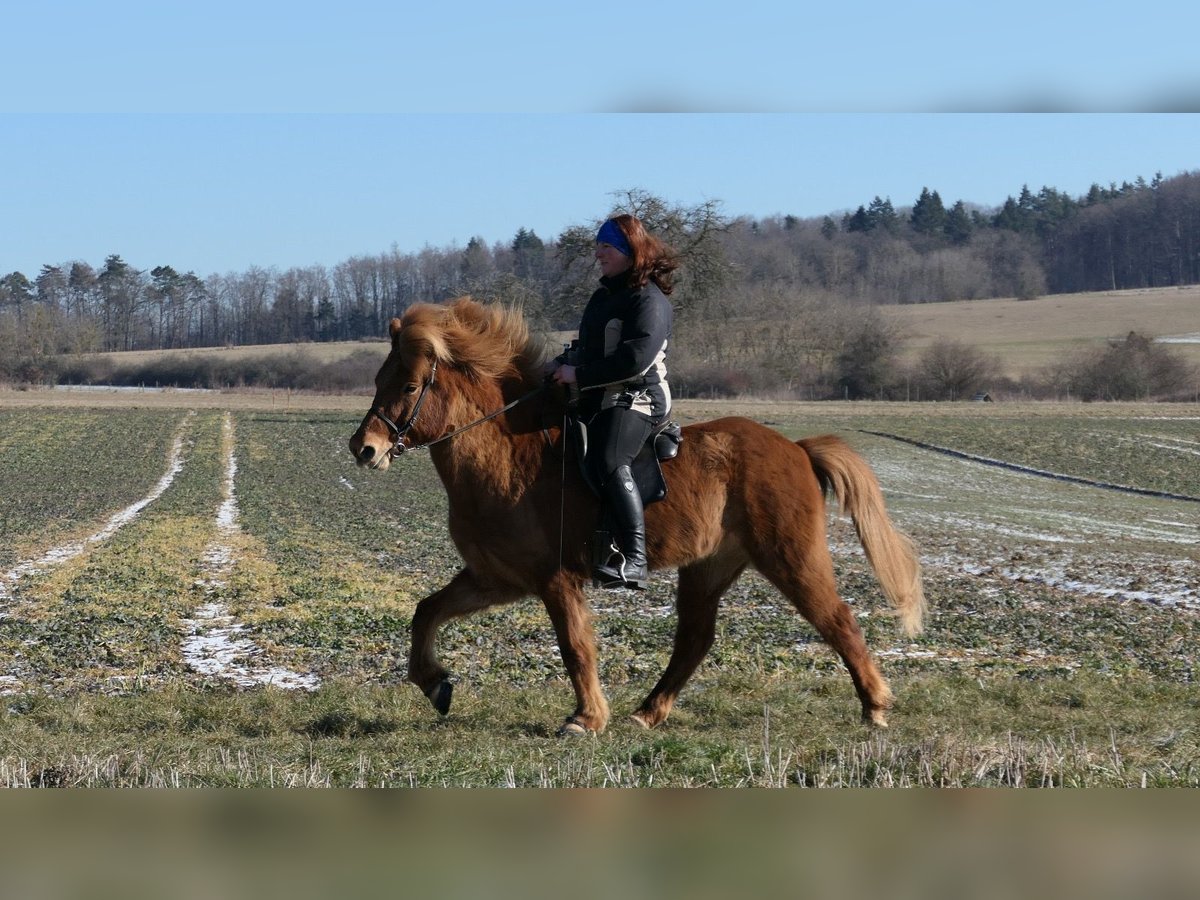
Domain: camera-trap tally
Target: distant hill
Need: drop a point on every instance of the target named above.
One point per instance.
(1028, 335)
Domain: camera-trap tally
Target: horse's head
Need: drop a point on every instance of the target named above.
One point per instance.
(448, 364)
(407, 409)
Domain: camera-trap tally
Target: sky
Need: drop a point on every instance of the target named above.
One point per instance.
(215, 137)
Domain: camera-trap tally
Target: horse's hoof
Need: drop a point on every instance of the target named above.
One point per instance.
(876, 718)
(440, 696)
(572, 727)
(640, 719)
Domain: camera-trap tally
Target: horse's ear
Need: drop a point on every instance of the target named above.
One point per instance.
(394, 329)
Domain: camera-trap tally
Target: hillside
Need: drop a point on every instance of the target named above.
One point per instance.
(1030, 334)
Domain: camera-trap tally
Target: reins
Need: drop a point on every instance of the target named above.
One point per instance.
(398, 446)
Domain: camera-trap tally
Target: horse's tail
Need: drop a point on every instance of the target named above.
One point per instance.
(892, 554)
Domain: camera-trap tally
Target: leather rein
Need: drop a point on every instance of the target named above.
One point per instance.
(400, 431)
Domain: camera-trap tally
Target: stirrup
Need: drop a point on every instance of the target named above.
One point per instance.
(614, 578)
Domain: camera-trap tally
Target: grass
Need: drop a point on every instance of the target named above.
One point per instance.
(738, 732)
(1015, 682)
(65, 469)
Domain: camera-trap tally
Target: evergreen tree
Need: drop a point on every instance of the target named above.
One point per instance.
(81, 288)
(120, 292)
(529, 254)
(957, 226)
(476, 261)
(882, 215)
(163, 294)
(860, 221)
(526, 239)
(51, 285)
(325, 319)
(1012, 217)
(16, 292)
(1025, 199)
(928, 213)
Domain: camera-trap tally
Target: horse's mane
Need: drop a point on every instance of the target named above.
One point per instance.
(488, 342)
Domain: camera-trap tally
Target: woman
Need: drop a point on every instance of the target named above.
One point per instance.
(621, 372)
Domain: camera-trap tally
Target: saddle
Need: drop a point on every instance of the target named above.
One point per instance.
(663, 444)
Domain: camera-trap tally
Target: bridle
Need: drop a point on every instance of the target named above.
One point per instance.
(399, 431)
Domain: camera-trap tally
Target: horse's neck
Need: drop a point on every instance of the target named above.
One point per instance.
(489, 464)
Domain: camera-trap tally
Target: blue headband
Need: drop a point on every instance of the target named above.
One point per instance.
(610, 233)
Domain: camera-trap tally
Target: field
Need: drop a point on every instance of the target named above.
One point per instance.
(333, 351)
(202, 589)
(1028, 335)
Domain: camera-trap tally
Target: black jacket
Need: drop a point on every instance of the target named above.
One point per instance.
(623, 336)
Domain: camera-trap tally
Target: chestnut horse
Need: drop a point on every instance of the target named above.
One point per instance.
(738, 494)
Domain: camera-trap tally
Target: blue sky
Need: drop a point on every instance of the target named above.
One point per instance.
(555, 56)
(218, 136)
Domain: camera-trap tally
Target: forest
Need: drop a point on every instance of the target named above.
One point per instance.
(784, 303)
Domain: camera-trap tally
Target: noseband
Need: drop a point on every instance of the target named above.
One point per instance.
(400, 431)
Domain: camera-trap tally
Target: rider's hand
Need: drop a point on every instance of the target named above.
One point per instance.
(565, 374)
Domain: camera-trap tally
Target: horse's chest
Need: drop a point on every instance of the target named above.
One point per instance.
(491, 547)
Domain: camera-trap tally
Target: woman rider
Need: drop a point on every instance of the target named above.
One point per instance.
(622, 379)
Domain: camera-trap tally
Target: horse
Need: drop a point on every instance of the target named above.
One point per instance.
(467, 381)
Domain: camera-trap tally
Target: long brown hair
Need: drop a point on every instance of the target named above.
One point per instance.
(653, 260)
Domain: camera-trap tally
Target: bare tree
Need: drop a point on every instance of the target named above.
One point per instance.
(866, 363)
(692, 231)
(951, 370)
(1132, 368)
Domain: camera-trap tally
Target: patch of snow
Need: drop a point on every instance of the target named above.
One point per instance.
(1074, 538)
(215, 645)
(128, 389)
(1173, 449)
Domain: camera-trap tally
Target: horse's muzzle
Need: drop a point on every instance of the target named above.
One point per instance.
(367, 453)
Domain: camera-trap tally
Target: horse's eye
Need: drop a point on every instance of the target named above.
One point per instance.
(410, 389)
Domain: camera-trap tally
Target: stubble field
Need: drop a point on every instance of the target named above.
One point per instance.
(204, 590)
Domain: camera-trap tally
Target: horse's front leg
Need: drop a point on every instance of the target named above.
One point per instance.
(568, 608)
(462, 596)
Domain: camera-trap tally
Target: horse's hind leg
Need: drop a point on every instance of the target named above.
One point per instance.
(462, 596)
(700, 588)
(806, 579)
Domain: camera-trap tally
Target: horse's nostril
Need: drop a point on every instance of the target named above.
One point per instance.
(367, 453)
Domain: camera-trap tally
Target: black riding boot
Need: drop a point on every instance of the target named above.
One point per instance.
(626, 566)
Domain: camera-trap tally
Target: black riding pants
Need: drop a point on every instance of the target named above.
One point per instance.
(615, 436)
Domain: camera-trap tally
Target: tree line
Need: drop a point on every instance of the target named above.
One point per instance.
(806, 281)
